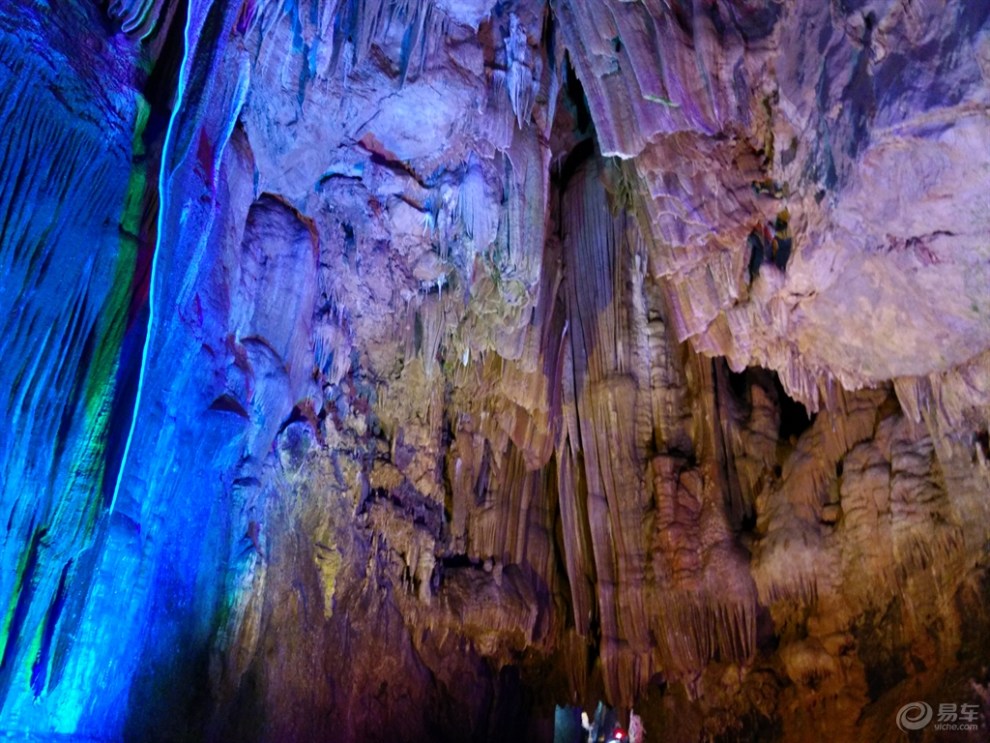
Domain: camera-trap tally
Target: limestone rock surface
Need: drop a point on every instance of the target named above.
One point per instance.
(396, 371)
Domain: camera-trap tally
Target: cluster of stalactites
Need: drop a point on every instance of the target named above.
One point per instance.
(138, 17)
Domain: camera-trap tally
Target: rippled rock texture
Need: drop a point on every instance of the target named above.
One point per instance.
(396, 371)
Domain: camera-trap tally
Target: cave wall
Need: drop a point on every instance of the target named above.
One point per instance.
(399, 371)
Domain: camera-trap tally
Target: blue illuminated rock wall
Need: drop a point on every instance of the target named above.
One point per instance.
(115, 535)
(71, 128)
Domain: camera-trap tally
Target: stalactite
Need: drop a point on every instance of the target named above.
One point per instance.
(138, 17)
(474, 212)
(949, 399)
(359, 24)
(521, 78)
(707, 601)
(598, 257)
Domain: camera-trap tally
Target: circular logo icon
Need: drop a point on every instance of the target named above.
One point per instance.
(914, 716)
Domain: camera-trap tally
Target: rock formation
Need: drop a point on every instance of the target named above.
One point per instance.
(396, 371)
